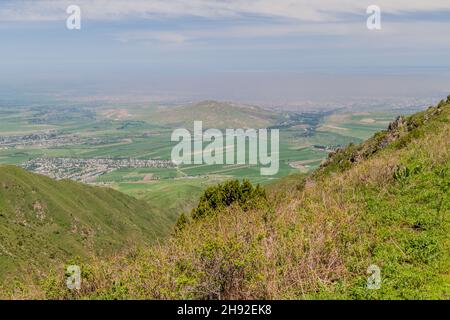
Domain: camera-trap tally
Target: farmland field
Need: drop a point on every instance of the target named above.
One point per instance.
(93, 132)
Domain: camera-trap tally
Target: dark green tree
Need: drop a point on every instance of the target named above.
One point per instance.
(231, 192)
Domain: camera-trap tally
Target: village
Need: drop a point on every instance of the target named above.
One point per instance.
(87, 170)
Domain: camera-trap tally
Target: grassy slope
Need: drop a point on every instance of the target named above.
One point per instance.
(43, 221)
(170, 197)
(384, 202)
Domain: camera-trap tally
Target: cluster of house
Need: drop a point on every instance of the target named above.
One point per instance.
(87, 170)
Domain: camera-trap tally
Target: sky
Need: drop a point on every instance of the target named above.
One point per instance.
(204, 48)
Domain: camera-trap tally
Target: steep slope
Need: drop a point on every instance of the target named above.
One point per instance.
(43, 221)
(382, 205)
(217, 115)
(399, 133)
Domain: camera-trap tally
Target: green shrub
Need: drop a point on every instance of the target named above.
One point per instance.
(182, 221)
(227, 194)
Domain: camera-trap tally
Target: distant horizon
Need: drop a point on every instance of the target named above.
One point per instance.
(256, 51)
(290, 91)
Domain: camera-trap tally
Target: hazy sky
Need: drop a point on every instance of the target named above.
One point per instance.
(131, 44)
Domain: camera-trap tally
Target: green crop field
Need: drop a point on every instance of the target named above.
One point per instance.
(357, 125)
(142, 132)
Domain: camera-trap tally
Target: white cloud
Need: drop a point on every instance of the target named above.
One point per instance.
(167, 37)
(305, 10)
(240, 32)
(393, 34)
(294, 18)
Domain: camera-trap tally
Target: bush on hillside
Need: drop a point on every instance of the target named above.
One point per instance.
(224, 195)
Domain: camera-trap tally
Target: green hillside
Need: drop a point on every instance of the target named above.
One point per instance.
(216, 115)
(383, 203)
(44, 222)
